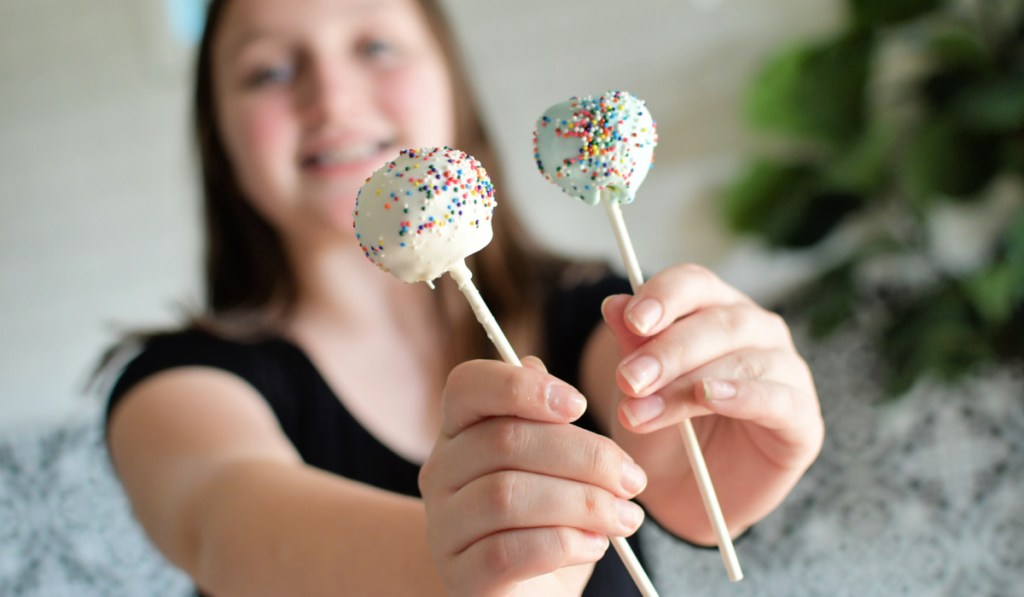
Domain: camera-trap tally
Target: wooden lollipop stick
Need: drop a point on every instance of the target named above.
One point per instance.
(693, 451)
(463, 278)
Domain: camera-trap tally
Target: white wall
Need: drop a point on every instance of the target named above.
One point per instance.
(96, 215)
(97, 203)
(690, 64)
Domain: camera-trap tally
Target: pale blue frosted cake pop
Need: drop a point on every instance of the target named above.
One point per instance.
(597, 143)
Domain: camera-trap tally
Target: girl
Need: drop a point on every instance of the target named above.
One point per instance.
(322, 428)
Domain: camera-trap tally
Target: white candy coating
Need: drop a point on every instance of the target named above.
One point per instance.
(593, 144)
(424, 212)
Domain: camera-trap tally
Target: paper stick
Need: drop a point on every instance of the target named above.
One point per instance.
(463, 278)
(693, 451)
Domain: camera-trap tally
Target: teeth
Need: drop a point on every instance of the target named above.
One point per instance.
(344, 154)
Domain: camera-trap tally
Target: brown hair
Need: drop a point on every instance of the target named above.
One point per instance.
(249, 281)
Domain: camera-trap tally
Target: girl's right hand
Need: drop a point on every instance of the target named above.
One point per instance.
(516, 497)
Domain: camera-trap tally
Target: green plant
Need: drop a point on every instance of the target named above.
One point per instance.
(913, 110)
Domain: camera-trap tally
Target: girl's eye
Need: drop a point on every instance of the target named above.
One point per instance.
(265, 77)
(376, 48)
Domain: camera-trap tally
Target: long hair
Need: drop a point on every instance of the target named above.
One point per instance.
(249, 282)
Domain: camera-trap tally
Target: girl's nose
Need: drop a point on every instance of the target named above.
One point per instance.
(332, 93)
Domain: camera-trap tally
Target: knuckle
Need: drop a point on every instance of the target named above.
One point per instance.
(694, 270)
(508, 436)
(725, 319)
(600, 458)
(671, 350)
(500, 556)
(743, 321)
(458, 374)
(517, 385)
(501, 492)
(563, 543)
(780, 327)
(750, 367)
(699, 276)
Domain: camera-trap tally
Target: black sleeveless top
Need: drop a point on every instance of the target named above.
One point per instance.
(328, 437)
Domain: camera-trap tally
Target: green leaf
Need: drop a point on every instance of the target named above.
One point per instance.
(1012, 154)
(786, 204)
(934, 335)
(815, 92)
(959, 45)
(830, 301)
(995, 105)
(862, 169)
(1013, 255)
(766, 187)
(943, 159)
(818, 215)
(1008, 341)
(873, 13)
(1015, 241)
(940, 88)
(992, 293)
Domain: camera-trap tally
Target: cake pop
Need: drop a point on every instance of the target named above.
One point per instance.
(591, 146)
(423, 212)
(600, 149)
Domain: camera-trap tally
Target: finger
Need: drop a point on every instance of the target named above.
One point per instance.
(613, 309)
(684, 399)
(769, 404)
(695, 340)
(532, 362)
(519, 554)
(480, 389)
(517, 500)
(798, 429)
(676, 292)
(782, 399)
(563, 451)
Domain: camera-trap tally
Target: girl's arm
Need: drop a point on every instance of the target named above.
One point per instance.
(223, 494)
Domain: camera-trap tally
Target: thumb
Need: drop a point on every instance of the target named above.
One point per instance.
(613, 309)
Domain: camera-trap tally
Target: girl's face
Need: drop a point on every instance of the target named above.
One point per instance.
(313, 95)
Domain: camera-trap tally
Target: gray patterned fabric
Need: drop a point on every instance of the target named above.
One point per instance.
(65, 526)
(921, 496)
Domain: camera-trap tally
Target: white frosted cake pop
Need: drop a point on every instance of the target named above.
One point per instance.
(424, 212)
(596, 144)
(419, 217)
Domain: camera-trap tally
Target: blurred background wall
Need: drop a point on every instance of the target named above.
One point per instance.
(98, 214)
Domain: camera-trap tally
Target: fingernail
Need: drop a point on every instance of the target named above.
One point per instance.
(641, 372)
(604, 304)
(633, 477)
(643, 410)
(565, 400)
(645, 315)
(630, 515)
(716, 389)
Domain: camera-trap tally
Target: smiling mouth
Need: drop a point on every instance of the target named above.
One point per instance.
(344, 155)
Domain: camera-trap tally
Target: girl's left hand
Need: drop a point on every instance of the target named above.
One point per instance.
(694, 347)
